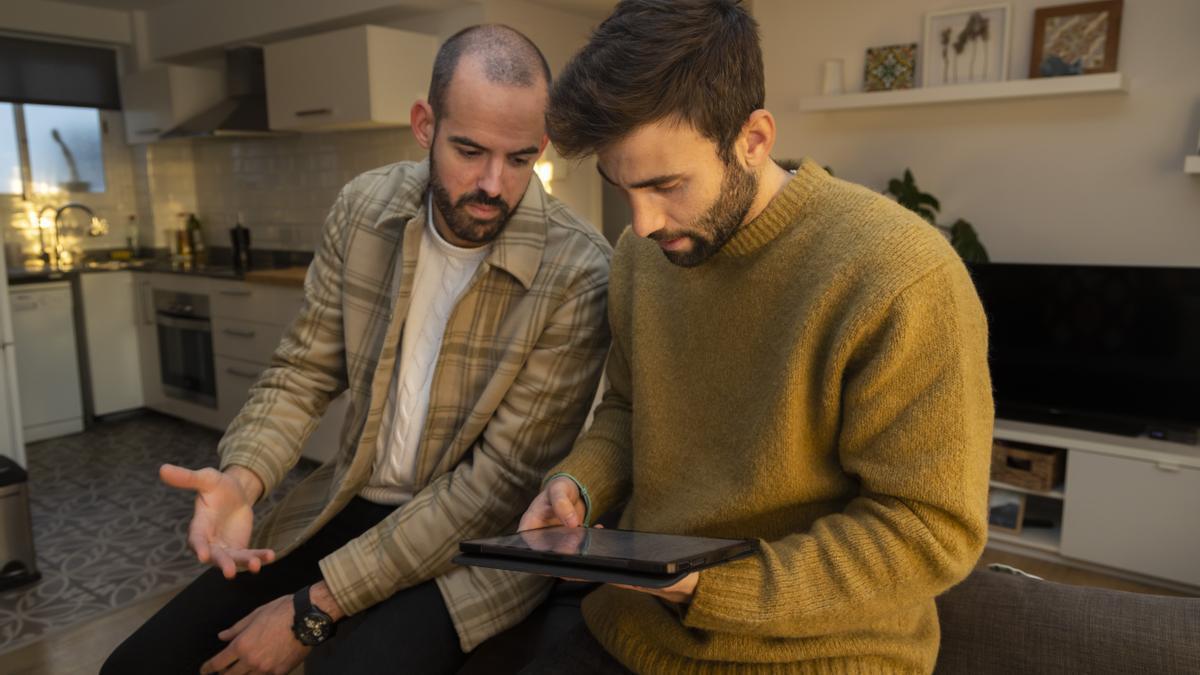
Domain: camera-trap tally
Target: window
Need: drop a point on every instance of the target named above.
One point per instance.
(65, 149)
(10, 151)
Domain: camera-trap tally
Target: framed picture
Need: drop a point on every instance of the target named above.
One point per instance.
(1076, 39)
(891, 67)
(966, 45)
(1006, 510)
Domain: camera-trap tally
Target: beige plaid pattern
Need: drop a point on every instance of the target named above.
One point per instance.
(518, 366)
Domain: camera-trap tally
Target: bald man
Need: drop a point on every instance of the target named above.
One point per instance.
(463, 308)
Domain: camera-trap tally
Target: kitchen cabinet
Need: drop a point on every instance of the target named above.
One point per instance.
(157, 99)
(48, 368)
(247, 322)
(360, 77)
(111, 330)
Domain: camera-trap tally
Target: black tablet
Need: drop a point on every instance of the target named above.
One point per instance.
(579, 549)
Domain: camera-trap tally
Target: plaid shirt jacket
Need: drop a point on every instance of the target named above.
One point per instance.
(516, 373)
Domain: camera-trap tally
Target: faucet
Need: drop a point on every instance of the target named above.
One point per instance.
(94, 230)
(45, 256)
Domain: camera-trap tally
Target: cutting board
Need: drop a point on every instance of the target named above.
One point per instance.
(287, 276)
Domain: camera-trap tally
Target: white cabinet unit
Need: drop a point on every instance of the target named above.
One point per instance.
(158, 98)
(111, 320)
(1134, 514)
(1129, 505)
(360, 77)
(248, 321)
(48, 369)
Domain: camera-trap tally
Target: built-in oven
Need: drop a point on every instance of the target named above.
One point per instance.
(185, 350)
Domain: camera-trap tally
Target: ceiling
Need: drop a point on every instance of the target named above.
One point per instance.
(122, 5)
(594, 8)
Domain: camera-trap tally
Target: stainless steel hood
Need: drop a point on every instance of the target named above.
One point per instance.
(244, 110)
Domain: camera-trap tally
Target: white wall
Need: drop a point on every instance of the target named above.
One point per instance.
(1079, 179)
(559, 35)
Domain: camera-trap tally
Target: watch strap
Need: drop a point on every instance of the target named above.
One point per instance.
(306, 613)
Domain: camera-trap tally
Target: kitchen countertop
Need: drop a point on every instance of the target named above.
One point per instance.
(283, 270)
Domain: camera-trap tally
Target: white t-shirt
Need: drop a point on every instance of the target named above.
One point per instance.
(443, 273)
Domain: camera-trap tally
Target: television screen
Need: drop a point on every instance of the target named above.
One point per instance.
(1111, 348)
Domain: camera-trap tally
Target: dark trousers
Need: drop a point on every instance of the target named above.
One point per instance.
(411, 629)
(553, 640)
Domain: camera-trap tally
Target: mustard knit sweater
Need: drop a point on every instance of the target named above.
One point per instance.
(820, 385)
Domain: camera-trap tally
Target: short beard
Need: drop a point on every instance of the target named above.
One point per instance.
(463, 225)
(720, 222)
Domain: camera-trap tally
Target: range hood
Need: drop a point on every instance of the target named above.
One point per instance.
(244, 110)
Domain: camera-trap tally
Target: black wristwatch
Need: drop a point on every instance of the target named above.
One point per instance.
(311, 626)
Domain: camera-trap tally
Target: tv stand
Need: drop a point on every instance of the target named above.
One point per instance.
(1127, 505)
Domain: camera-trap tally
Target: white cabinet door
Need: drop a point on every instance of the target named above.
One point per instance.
(234, 379)
(156, 99)
(111, 319)
(48, 368)
(245, 340)
(359, 77)
(1133, 514)
(260, 303)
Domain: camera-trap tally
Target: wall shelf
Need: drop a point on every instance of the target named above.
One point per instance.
(1191, 164)
(1100, 83)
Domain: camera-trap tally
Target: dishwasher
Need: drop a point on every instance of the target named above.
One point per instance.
(48, 368)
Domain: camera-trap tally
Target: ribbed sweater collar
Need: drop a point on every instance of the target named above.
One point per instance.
(781, 211)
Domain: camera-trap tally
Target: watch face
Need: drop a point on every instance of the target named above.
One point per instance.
(314, 629)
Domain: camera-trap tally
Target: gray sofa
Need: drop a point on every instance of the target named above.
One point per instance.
(994, 622)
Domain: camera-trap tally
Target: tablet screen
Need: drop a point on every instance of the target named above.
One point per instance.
(611, 544)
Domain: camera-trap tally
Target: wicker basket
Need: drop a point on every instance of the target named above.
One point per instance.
(1033, 468)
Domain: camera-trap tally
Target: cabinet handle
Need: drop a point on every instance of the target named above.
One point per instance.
(237, 294)
(1168, 467)
(155, 130)
(313, 112)
(238, 333)
(242, 373)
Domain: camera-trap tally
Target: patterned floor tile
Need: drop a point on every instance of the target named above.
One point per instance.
(107, 532)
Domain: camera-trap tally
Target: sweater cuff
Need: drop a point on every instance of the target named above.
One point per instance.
(583, 492)
(725, 596)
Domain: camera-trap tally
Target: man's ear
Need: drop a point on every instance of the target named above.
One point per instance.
(423, 123)
(757, 138)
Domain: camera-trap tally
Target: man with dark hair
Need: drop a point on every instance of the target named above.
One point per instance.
(795, 359)
(463, 308)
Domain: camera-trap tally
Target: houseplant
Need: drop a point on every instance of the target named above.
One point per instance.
(962, 235)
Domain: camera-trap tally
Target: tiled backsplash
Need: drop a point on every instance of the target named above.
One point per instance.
(283, 186)
(116, 204)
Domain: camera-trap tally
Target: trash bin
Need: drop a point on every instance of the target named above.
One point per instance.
(17, 564)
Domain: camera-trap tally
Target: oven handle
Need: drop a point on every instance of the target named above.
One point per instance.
(185, 323)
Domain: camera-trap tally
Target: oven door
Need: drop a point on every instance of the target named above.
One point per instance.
(185, 356)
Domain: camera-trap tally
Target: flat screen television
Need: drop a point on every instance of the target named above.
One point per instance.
(1114, 349)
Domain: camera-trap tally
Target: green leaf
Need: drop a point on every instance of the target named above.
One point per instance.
(966, 242)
